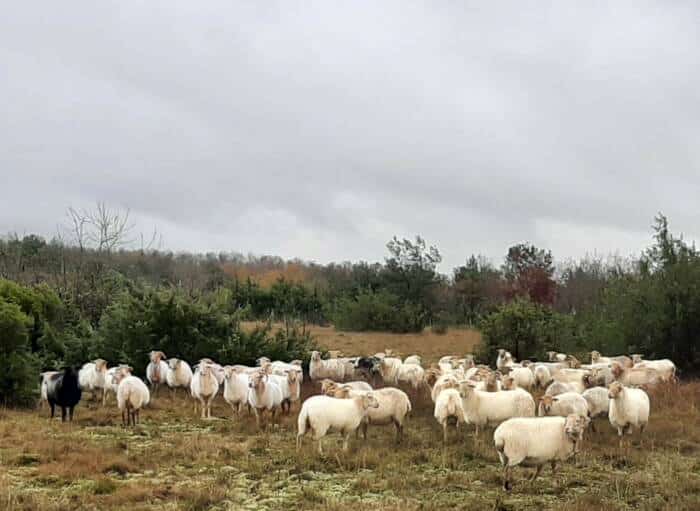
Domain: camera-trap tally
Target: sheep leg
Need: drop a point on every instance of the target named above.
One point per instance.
(203, 407)
(554, 466)
(346, 440)
(444, 432)
(299, 436)
(257, 417)
(53, 409)
(70, 413)
(507, 484)
(593, 428)
(320, 446)
(138, 416)
(537, 473)
(365, 427)
(63, 414)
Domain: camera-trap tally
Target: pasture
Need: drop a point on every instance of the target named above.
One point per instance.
(175, 461)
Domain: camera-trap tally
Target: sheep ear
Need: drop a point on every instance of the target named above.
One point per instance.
(555, 399)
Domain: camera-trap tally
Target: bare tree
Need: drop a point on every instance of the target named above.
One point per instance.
(110, 228)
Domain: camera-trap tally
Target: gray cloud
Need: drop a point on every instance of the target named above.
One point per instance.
(320, 129)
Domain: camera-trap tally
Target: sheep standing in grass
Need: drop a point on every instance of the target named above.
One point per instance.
(557, 387)
(281, 368)
(635, 375)
(449, 406)
(111, 382)
(63, 389)
(536, 441)
(447, 381)
(503, 360)
(390, 368)
(320, 369)
(393, 408)
(322, 414)
(156, 370)
(91, 378)
(563, 405)
(132, 395)
(236, 387)
(524, 377)
(204, 387)
(44, 387)
(664, 367)
(264, 394)
(411, 374)
(629, 408)
(290, 386)
(179, 374)
(598, 403)
(484, 408)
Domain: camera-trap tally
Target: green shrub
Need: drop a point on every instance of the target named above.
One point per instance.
(18, 378)
(377, 311)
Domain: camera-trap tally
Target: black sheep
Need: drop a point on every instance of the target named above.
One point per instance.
(63, 390)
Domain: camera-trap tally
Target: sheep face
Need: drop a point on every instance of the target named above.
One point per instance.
(173, 363)
(617, 370)
(552, 356)
(101, 365)
(257, 380)
(546, 403)
(574, 363)
(637, 358)
(327, 386)
(431, 376)
(508, 383)
(574, 427)
(595, 356)
(588, 381)
(315, 356)
(466, 389)
(262, 361)
(369, 401)
(615, 389)
(156, 356)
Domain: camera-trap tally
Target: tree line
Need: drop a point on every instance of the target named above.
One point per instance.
(90, 292)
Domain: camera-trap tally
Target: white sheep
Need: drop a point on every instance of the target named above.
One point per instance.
(413, 359)
(557, 387)
(324, 414)
(629, 408)
(536, 441)
(563, 405)
(179, 374)
(553, 356)
(664, 367)
(280, 368)
(393, 408)
(503, 359)
(484, 408)
(524, 377)
(236, 382)
(44, 388)
(156, 370)
(449, 406)
(91, 378)
(111, 382)
(411, 374)
(389, 368)
(264, 394)
(320, 369)
(598, 403)
(204, 387)
(624, 360)
(447, 381)
(132, 395)
(635, 375)
(290, 386)
(543, 376)
(570, 375)
(329, 385)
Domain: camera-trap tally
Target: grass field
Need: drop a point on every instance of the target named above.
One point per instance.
(175, 461)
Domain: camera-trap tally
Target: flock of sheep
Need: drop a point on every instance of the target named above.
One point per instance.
(360, 391)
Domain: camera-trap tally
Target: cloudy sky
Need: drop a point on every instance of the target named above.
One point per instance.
(320, 129)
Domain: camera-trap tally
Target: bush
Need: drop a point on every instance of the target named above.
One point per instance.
(18, 379)
(527, 330)
(377, 311)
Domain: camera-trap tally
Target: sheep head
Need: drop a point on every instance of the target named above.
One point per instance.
(327, 385)
(508, 383)
(595, 356)
(615, 389)
(156, 356)
(546, 403)
(315, 356)
(369, 400)
(574, 426)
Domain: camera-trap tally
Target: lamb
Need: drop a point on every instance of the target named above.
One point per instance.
(563, 405)
(264, 394)
(320, 369)
(624, 360)
(323, 414)
(635, 375)
(91, 377)
(553, 356)
(629, 408)
(236, 382)
(204, 387)
(536, 441)
(558, 387)
(413, 359)
(132, 395)
(289, 386)
(664, 367)
(63, 389)
(179, 374)
(598, 403)
(447, 406)
(542, 376)
(156, 370)
(484, 408)
(394, 406)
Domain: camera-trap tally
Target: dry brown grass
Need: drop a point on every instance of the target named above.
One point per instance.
(175, 461)
(431, 346)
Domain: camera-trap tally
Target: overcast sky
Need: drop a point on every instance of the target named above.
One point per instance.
(320, 129)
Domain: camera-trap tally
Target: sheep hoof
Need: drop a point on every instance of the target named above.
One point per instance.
(507, 486)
